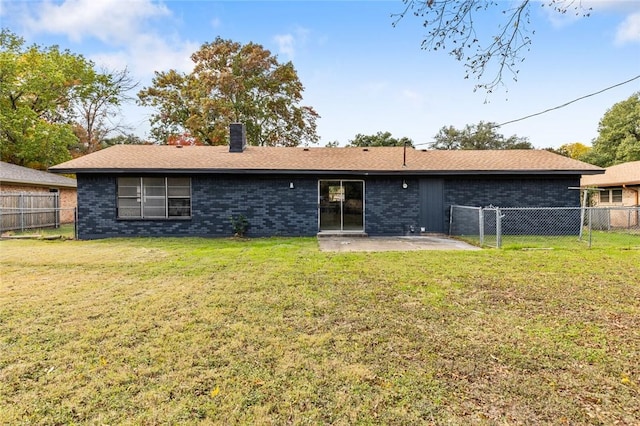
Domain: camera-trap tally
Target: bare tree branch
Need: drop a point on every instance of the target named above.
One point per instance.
(451, 26)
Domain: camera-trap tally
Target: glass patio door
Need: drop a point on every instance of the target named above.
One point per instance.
(341, 204)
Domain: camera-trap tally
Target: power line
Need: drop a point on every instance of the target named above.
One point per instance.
(552, 109)
(569, 103)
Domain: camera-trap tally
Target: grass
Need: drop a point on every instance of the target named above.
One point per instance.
(66, 231)
(622, 239)
(272, 331)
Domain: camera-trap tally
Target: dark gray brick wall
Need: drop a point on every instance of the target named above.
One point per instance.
(272, 208)
(527, 191)
(390, 209)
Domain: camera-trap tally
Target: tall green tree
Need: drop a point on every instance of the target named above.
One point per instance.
(618, 138)
(231, 82)
(477, 136)
(37, 86)
(53, 103)
(379, 139)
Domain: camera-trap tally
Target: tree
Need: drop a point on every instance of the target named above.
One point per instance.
(379, 139)
(575, 150)
(123, 139)
(36, 88)
(231, 82)
(451, 26)
(49, 99)
(618, 138)
(97, 107)
(477, 136)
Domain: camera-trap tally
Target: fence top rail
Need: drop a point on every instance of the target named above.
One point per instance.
(35, 209)
(566, 208)
(28, 194)
(466, 207)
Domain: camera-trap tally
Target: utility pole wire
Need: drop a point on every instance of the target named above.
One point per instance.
(550, 109)
(569, 103)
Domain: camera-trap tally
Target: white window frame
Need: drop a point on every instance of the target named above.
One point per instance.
(607, 196)
(141, 198)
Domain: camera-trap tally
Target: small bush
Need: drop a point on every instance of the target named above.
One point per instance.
(239, 224)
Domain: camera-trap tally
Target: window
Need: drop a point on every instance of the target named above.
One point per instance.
(611, 196)
(154, 197)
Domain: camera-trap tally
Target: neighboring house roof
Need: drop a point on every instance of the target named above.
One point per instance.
(621, 174)
(13, 174)
(379, 160)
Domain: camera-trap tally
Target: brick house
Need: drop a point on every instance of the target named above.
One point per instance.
(22, 180)
(619, 186)
(147, 190)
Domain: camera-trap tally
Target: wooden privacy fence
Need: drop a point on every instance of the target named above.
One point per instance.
(27, 210)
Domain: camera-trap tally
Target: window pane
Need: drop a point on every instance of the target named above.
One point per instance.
(179, 207)
(128, 187)
(129, 181)
(604, 197)
(178, 187)
(616, 195)
(154, 187)
(155, 181)
(178, 191)
(178, 181)
(154, 207)
(129, 207)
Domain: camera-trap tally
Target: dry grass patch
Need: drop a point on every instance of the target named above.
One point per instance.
(272, 331)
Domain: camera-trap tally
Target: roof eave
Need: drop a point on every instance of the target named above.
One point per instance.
(324, 171)
(610, 184)
(34, 183)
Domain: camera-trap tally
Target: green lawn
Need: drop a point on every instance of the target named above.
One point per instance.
(621, 239)
(272, 331)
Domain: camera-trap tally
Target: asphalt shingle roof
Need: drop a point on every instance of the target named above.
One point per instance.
(218, 159)
(621, 174)
(11, 173)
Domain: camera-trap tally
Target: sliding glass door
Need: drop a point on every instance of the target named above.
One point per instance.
(341, 204)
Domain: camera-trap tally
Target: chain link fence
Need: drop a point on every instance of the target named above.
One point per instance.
(547, 227)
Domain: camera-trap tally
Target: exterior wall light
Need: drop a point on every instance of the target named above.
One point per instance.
(404, 184)
(291, 185)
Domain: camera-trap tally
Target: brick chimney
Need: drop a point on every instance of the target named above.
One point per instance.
(237, 137)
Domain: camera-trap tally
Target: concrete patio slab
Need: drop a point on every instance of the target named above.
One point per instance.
(374, 244)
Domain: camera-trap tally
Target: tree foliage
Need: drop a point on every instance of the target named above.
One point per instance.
(379, 139)
(451, 26)
(45, 94)
(618, 138)
(96, 109)
(123, 139)
(231, 82)
(575, 150)
(477, 136)
(36, 88)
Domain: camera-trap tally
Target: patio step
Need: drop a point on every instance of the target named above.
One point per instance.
(347, 234)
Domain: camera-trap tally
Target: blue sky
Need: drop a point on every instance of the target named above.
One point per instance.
(360, 73)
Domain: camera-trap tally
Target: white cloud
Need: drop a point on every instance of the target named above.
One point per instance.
(285, 44)
(110, 21)
(412, 97)
(147, 54)
(629, 30)
(288, 43)
(125, 29)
